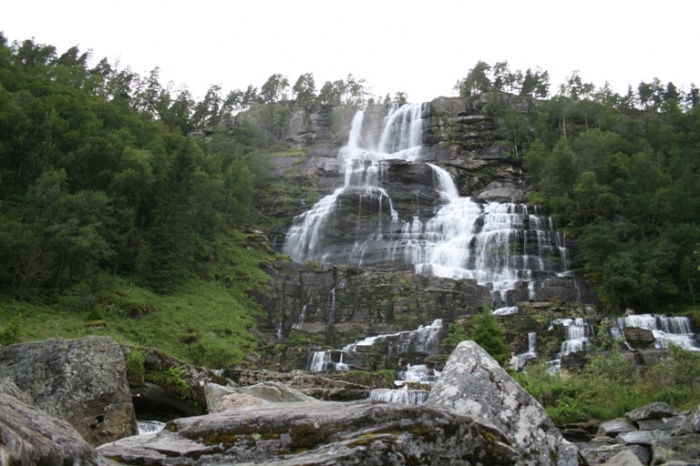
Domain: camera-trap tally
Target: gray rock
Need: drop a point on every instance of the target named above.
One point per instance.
(678, 448)
(316, 433)
(271, 392)
(29, 436)
(81, 381)
(624, 458)
(656, 410)
(641, 437)
(600, 454)
(472, 383)
(669, 423)
(692, 423)
(499, 191)
(614, 427)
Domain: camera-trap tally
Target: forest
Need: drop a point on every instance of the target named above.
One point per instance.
(120, 195)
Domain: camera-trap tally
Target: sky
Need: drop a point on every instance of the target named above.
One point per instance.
(419, 47)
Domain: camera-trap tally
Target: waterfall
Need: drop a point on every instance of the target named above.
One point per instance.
(362, 167)
(402, 396)
(150, 427)
(425, 339)
(504, 246)
(667, 330)
(499, 244)
(331, 307)
(414, 375)
(318, 362)
(577, 332)
(531, 350)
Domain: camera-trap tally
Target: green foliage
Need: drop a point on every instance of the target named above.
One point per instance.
(609, 385)
(405, 321)
(456, 333)
(12, 331)
(488, 333)
(499, 77)
(174, 381)
(135, 371)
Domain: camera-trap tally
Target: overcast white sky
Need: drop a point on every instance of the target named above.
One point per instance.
(421, 47)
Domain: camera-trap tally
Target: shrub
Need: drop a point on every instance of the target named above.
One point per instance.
(134, 367)
(13, 331)
(488, 333)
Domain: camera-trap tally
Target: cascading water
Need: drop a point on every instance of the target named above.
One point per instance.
(667, 330)
(362, 169)
(413, 381)
(501, 245)
(424, 340)
(577, 332)
(531, 353)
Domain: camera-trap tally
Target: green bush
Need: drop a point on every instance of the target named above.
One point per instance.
(135, 371)
(13, 331)
(488, 333)
(174, 381)
(609, 386)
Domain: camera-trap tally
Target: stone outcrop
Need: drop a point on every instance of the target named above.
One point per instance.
(474, 384)
(653, 434)
(316, 433)
(180, 388)
(29, 436)
(311, 297)
(220, 398)
(81, 381)
(329, 387)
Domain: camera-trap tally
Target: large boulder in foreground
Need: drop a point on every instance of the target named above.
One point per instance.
(29, 436)
(320, 433)
(81, 381)
(474, 384)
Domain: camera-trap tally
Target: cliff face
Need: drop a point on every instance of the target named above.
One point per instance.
(458, 135)
(357, 203)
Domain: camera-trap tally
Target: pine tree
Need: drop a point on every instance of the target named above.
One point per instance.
(488, 334)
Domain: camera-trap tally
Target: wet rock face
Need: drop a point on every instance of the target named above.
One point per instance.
(321, 433)
(312, 297)
(81, 381)
(474, 384)
(30, 436)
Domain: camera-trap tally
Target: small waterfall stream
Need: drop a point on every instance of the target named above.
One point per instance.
(424, 340)
(667, 330)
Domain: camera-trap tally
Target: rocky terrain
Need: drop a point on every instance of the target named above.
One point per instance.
(476, 414)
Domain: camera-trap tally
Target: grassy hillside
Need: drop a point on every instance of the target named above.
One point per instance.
(206, 322)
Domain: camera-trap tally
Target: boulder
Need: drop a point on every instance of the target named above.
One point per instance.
(679, 448)
(81, 381)
(179, 390)
(614, 427)
(602, 454)
(624, 458)
(220, 398)
(641, 437)
(656, 410)
(639, 336)
(692, 423)
(474, 384)
(316, 433)
(30, 436)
